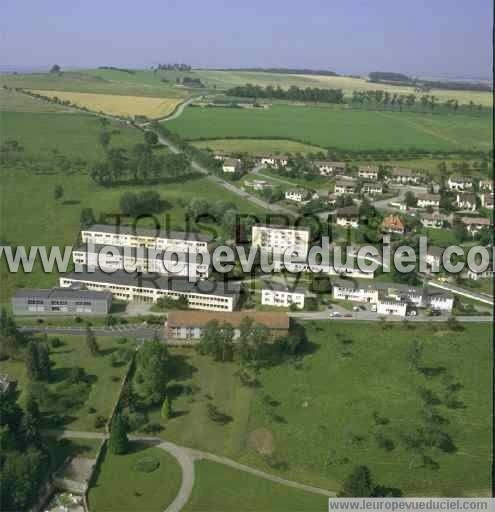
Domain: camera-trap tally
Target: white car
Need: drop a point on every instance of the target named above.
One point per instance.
(336, 314)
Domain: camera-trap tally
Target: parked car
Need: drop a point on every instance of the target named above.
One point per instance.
(336, 314)
(373, 307)
(355, 308)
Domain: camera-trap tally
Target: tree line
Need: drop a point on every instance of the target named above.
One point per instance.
(294, 93)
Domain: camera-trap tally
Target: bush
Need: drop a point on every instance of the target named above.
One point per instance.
(100, 421)
(56, 342)
(147, 464)
(136, 421)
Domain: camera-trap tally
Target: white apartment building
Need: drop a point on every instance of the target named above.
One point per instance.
(487, 200)
(297, 194)
(427, 200)
(274, 160)
(282, 297)
(231, 165)
(404, 176)
(459, 183)
(346, 291)
(106, 234)
(141, 259)
(277, 239)
(148, 288)
(368, 172)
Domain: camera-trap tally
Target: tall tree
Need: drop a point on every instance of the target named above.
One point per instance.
(358, 484)
(91, 342)
(58, 193)
(118, 442)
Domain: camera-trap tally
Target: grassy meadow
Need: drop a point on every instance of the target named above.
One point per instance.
(120, 486)
(233, 487)
(312, 421)
(256, 146)
(339, 128)
(72, 403)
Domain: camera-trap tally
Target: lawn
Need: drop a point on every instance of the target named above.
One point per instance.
(339, 128)
(70, 134)
(257, 146)
(313, 421)
(237, 490)
(72, 402)
(119, 486)
(117, 105)
(12, 101)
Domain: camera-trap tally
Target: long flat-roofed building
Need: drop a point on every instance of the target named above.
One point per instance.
(277, 239)
(60, 301)
(185, 264)
(188, 325)
(107, 234)
(148, 288)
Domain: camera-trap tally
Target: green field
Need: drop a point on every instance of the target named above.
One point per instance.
(119, 486)
(237, 490)
(68, 400)
(257, 146)
(142, 83)
(317, 422)
(12, 101)
(70, 134)
(339, 128)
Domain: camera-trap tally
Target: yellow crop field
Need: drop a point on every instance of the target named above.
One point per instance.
(117, 105)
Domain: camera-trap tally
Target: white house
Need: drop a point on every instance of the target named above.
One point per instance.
(475, 224)
(231, 165)
(487, 200)
(459, 183)
(486, 185)
(282, 297)
(433, 220)
(427, 200)
(405, 176)
(328, 168)
(347, 290)
(475, 276)
(466, 201)
(297, 194)
(347, 216)
(273, 160)
(345, 187)
(256, 184)
(368, 172)
(390, 306)
(372, 188)
(433, 257)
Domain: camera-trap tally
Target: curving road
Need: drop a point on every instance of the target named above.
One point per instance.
(186, 457)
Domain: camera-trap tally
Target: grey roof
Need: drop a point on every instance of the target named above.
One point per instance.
(280, 287)
(146, 280)
(279, 226)
(61, 293)
(157, 232)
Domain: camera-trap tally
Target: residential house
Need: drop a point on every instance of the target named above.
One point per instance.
(466, 201)
(257, 184)
(475, 224)
(189, 325)
(433, 220)
(457, 183)
(231, 165)
(273, 160)
(332, 199)
(487, 200)
(298, 195)
(345, 187)
(486, 186)
(394, 307)
(433, 257)
(476, 276)
(372, 189)
(368, 172)
(428, 200)
(328, 168)
(348, 216)
(405, 176)
(393, 224)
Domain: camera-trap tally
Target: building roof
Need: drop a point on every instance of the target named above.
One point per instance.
(201, 318)
(368, 168)
(403, 171)
(61, 293)
(280, 287)
(460, 179)
(145, 280)
(278, 227)
(393, 221)
(479, 221)
(435, 251)
(348, 210)
(154, 233)
(429, 197)
(234, 162)
(388, 288)
(329, 163)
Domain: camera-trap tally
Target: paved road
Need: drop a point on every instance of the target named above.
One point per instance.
(384, 204)
(186, 457)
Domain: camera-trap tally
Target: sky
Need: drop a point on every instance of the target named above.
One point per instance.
(423, 37)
